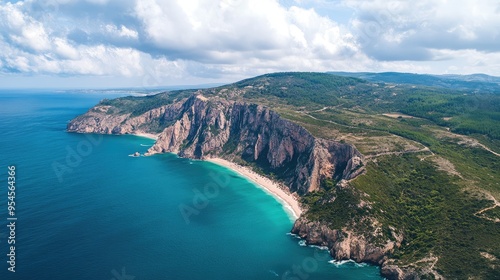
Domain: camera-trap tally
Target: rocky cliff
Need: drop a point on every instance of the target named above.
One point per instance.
(198, 127)
(347, 244)
(344, 245)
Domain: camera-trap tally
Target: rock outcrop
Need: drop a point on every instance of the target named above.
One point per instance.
(396, 273)
(351, 245)
(198, 127)
(344, 245)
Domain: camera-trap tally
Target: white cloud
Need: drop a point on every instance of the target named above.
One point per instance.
(27, 46)
(469, 61)
(123, 31)
(179, 40)
(22, 29)
(227, 31)
(209, 25)
(207, 34)
(21, 63)
(104, 60)
(65, 50)
(414, 28)
(97, 60)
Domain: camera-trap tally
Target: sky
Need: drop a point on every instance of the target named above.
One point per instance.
(154, 43)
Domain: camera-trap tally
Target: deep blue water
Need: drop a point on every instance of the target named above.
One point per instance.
(86, 210)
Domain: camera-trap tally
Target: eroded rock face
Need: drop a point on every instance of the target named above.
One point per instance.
(199, 127)
(344, 245)
(100, 120)
(350, 245)
(394, 272)
(315, 233)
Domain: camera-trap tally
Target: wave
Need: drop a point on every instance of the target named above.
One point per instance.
(319, 247)
(303, 242)
(144, 145)
(340, 263)
(347, 263)
(289, 208)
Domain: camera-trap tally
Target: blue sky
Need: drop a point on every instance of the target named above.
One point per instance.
(146, 43)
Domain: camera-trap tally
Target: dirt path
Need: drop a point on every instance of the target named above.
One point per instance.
(465, 140)
(426, 149)
(473, 141)
(433, 271)
(496, 204)
(488, 149)
(431, 268)
(344, 125)
(320, 110)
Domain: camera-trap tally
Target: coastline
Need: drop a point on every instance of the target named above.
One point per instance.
(290, 203)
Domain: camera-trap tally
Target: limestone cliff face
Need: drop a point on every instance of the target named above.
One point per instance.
(100, 119)
(344, 245)
(350, 245)
(198, 127)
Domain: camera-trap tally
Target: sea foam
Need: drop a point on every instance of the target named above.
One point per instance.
(347, 263)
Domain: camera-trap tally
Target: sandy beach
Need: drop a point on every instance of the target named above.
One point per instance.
(146, 135)
(288, 200)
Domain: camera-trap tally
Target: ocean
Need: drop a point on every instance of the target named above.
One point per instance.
(85, 209)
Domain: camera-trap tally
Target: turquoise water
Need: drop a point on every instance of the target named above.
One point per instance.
(87, 210)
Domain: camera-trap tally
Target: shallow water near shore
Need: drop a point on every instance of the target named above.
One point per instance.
(86, 210)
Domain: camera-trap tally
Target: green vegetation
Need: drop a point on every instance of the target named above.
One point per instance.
(427, 205)
(493, 213)
(466, 112)
(475, 82)
(434, 214)
(334, 206)
(138, 105)
(299, 89)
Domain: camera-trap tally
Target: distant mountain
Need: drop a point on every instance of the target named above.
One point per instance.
(474, 82)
